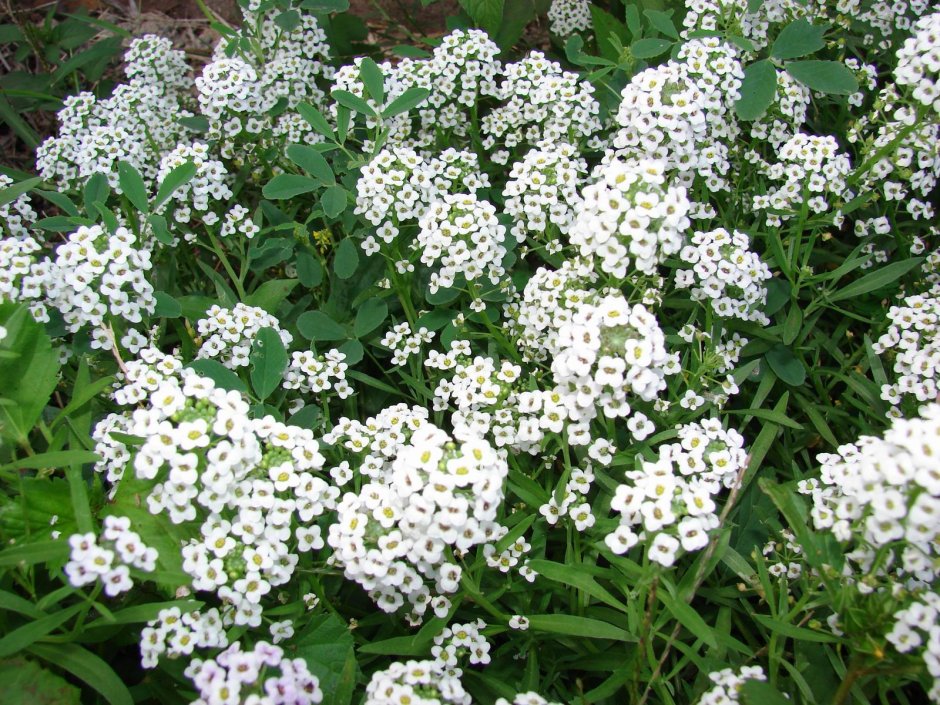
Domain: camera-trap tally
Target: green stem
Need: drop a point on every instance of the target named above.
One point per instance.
(219, 252)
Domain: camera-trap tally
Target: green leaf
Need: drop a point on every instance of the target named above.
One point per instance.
(353, 351)
(285, 186)
(160, 230)
(271, 294)
(758, 90)
(572, 625)
(408, 100)
(773, 416)
(316, 120)
(346, 259)
(167, 306)
(576, 576)
(288, 20)
(831, 77)
(325, 6)
(309, 269)
(372, 79)
(23, 636)
(370, 316)
(662, 21)
(132, 184)
(176, 179)
(87, 667)
(138, 614)
(792, 324)
(793, 631)
(316, 325)
(268, 361)
(650, 47)
(486, 14)
(53, 459)
(786, 365)
(756, 692)
(352, 101)
(609, 32)
(688, 618)
(797, 39)
(328, 648)
(14, 191)
(311, 161)
(27, 379)
(28, 683)
(335, 200)
(218, 373)
(35, 552)
(873, 281)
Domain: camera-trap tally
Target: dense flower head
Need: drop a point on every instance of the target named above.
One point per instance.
(308, 373)
(727, 689)
(725, 274)
(917, 631)
(425, 682)
(881, 497)
(24, 277)
(540, 102)
(919, 62)
(631, 219)
(459, 641)
(398, 531)
(669, 503)
(97, 274)
(176, 633)
(264, 676)
(567, 17)
(542, 191)
(208, 185)
(461, 236)
(227, 334)
(912, 340)
(109, 557)
(17, 216)
(785, 115)
(154, 60)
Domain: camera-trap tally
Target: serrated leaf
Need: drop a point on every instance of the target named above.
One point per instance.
(285, 186)
(649, 47)
(346, 259)
(132, 184)
(831, 77)
(316, 325)
(797, 39)
(268, 359)
(334, 201)
(311, 161)
(370, 316)
(408, 100)
(758, 90)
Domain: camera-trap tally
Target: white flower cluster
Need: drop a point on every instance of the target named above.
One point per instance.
(262, 676)
(607, 355)
(725, 274)
(308, 373)
(398, 530)
(631, 219)
(547, 302)
(727, 690)
(508, 558)
(138, 123)
(917, 629)
(528, 698)
(540, 102)
(22, 277)
(811, 173)
(459, 640)
(143, 375)
(418, 682)
(238, 220)
(567, 17)
(96, 274)
(788, 554)
(461, 71)
(914, 342)
(570, 500)
(208, 184)
(404, 343)
(17, 216)
(228, 333)
(785, 115)
(176, 633)
(90, 561)
(461, 236)
(671, 500)
(542, 191)
(245, 480)
(237, 92)
(919, 62)
(881, 495)
(399, 185)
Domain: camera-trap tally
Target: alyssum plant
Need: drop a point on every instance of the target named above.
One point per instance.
(471, 377)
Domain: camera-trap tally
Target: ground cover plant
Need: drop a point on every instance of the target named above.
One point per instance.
(603, 372)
